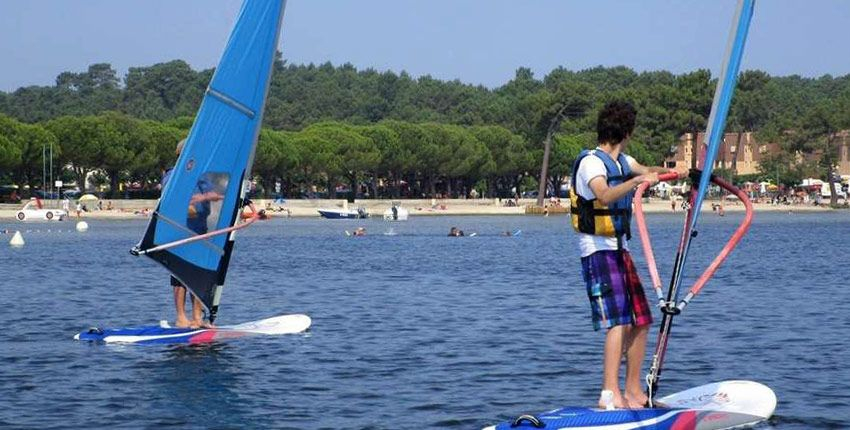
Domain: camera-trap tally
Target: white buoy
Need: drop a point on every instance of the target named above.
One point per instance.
(82, 226)
(17, 239)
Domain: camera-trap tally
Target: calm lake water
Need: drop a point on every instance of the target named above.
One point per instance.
(415, 330)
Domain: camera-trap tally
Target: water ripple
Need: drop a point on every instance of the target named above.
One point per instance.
(411, 331)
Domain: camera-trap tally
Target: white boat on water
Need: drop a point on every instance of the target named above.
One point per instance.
(396, 213)
(34, 210)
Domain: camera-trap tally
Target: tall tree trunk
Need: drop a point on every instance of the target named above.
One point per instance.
(544, 170)
(432, 186)
(113, 183)
(833, 197)
(554, 124)
(81, 178)
(355, 187)
(331, 189)
(829, 154)
(449, 187)
(373, 182)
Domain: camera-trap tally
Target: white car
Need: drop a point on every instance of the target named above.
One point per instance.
(33, 211)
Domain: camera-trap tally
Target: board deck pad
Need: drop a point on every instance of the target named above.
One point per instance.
(717, 406)
(279, 325)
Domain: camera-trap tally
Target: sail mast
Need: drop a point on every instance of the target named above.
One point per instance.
(714, 135)
(717, 122)
(246, 180)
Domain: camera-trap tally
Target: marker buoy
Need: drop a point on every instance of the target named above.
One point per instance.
(17, 239)
(82, 226)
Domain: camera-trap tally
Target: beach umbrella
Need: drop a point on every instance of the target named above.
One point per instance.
(89, 198)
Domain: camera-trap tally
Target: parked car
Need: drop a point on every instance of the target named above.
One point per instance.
(34, 211)
(71, 194)
(44, 195)
(9, 194)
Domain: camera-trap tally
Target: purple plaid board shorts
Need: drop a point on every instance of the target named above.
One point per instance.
(614, 289)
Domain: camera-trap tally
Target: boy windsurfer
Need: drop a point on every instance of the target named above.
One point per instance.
(601, 199)
(198, 212)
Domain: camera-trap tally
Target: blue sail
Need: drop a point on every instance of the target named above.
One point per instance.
(717, 118)
(204, 192)
(723, 97)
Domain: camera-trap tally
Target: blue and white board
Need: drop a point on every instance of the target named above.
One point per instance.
(163, 334)
(717, 406)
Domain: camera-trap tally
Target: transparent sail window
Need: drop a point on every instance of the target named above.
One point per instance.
(205, 204)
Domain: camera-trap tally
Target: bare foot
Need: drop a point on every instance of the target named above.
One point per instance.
(636, 400)
(182, 322)
(619, 401)
(201, 324)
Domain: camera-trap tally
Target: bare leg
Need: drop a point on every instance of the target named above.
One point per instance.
(635, 352)
(198, 313)
(180, 305)
(611, 364)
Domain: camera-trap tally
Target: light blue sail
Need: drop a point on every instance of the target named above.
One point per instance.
(205, 190)
(719, 111)
(723, 97)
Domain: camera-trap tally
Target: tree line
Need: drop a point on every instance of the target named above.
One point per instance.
(388, 134)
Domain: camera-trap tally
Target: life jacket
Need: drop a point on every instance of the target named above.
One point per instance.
(592, 217)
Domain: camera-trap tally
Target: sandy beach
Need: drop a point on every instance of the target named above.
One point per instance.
(129, 209)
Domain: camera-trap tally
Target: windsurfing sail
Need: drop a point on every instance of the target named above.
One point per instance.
(671, 305)
(716, 127)
(191, 232)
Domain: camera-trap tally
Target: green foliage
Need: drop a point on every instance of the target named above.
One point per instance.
(779, 168)
(153, 145)
(10, 156)
(163, 91)
(565, 151)
(507, 150)
(345, 124)
(25, 149)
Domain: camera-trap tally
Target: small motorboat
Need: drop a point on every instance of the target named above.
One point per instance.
(344, 213)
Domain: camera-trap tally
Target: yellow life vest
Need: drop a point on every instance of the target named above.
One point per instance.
(592, 217)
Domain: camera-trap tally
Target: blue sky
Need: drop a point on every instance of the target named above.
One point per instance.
(477, 41)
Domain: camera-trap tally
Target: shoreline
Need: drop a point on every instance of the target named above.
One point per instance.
(134, 209)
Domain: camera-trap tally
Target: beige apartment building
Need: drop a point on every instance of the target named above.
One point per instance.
(750, 155)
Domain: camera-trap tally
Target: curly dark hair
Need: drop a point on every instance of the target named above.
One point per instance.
(616, 122)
